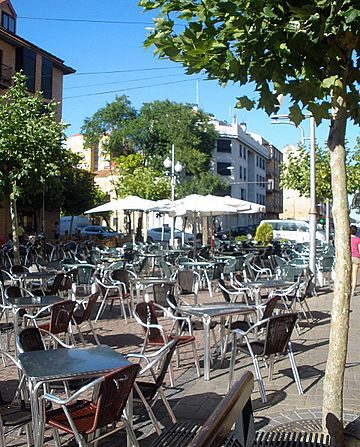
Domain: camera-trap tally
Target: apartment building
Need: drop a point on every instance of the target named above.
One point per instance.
(44, 72)
(274, 193)
(251, 166)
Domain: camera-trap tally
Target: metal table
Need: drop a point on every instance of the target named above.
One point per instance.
(209, 311)
(53, 365)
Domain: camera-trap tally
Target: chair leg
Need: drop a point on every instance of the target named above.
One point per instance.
(167, 405)
(295, 370)
(271, 367)
(123, 309)
(94, 333)
(148, 408)
(259, 379)
(130, 433)
(2, 434)
(29, 437)
(232, 359)
(196, 359)
(101, 309)
(56, 437)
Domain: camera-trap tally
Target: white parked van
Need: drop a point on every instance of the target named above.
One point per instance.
(75, 222)
(293, 230)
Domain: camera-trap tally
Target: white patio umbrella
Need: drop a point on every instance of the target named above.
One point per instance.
(130, 203)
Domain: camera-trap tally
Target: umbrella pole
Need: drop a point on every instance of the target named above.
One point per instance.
(194, 233)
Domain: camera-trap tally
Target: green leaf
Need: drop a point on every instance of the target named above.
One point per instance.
(244, 102)
(296, 114)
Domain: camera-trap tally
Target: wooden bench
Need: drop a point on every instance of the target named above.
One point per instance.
(234, 410)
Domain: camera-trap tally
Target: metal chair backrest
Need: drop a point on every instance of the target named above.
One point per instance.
(160, 292)
(90, 305)
(171, 301)
(29, 339)
(165, 268)
(58, 283)
(113, 395)
(270, 306)
(17, 269)
(278, 332)
(60, 317)
(146, 313)
(13, 292)
(186, 280)
(236, 409)
(121, 275)
(224, 291)
(164, 363)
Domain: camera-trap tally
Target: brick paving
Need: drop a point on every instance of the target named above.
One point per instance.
(193, 399)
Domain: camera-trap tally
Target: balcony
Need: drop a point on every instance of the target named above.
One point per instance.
(6, 74)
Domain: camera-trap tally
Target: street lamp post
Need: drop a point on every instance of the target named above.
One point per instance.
(174, 169)
(312, 210)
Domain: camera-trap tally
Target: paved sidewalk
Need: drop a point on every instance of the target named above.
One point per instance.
(193, 399)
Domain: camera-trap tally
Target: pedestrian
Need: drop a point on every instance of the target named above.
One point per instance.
(21, 233)
(355, 257)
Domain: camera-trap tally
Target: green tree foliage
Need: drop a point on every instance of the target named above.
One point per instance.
(31, 149)
(79, 191)
(307, 51)
(136, 178)
(163, 123)
(110, 126)
(204, 183)
(295, 173)
(264, 233)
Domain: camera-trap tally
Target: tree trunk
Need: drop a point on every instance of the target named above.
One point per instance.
(14, 228)
(339, 329)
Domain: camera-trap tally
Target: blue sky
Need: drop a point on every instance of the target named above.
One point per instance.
(96, 47)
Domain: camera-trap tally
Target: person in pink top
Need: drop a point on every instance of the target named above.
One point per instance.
(355, 256)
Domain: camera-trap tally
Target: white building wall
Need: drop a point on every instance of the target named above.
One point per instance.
(248, 176)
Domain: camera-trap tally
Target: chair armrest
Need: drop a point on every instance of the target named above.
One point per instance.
(64, 345)
(59, 401)
(33, 317)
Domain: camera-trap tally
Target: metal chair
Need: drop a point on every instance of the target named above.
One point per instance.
(60, 319)
(254, 272)
(108, 293)
(14, 413)
(148, 392)
(155, 335)
(82, 317)
(83, 417)
(187, 284)
(276, 341)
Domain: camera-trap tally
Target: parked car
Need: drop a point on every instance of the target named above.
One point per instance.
(100, 232)
(164, 234)
(239, 230)
(293, 230)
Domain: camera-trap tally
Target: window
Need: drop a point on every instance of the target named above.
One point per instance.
(240, 151)
(243, 194)
(240, 172)
(46, 77)
(244, 152)
(223, 146)
(26, 61)
(244, 173)
(8, 22)
(223, 168)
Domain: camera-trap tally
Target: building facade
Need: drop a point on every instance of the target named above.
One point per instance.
(44, 73)
(251, 165)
